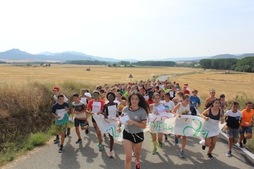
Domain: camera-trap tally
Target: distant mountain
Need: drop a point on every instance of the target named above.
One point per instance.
(224, 56)
(18, 55)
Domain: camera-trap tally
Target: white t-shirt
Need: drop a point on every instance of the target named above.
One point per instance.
(168, 105)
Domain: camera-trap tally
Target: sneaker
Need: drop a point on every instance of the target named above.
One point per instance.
(110, 154)
(166, 137)
(210, 155)
(133, 154)
(203, 147)
(176, 140)
(181, 154)
(60, 149)
(79, 141)
(160, 144)
(68, 131)
(241, 144)
(154, 151)
(229, 154)
(244, 141)
(56, 141)
(100, 147)
(137, 165)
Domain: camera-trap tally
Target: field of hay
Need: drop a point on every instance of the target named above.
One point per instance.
(229, 83)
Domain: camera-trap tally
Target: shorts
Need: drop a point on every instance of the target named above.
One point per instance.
(78, 122)
(62, 128)
(134, 138)
(232, 133)
(245, 129)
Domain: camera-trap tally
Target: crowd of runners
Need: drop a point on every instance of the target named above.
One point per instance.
(137, 100)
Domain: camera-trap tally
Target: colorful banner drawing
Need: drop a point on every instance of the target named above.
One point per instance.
(187, 125)
(108, 126)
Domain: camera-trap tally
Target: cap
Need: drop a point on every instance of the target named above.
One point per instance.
(56, 88)
(87, 94)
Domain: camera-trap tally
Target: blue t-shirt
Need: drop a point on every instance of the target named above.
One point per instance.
(194, 101)
(59, 110)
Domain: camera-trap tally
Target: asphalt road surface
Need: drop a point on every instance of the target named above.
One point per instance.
(87, 155)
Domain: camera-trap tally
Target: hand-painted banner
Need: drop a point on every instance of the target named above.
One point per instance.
(108, 126)
(187, 125)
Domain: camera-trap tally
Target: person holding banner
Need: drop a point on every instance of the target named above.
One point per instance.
(182, 108)
(60, 113)
(135, 118)
(212, 116)
(110, 112)
(156, 108)
(95, 107)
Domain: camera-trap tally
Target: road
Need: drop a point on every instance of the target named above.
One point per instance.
(87, 155)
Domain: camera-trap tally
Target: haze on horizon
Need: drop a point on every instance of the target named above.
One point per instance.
(139, 29)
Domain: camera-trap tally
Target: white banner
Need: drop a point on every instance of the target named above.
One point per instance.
(186, 125)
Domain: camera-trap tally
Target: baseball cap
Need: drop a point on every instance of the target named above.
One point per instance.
(56, 88)
(87, 94)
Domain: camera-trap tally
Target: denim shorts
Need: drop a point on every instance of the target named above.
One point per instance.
(232, 133)
(245, 129)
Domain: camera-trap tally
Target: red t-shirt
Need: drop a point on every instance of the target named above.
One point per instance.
(98, 105)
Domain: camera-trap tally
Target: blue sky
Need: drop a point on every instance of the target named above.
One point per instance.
(138, 29)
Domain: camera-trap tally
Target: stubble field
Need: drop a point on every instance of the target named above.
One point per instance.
(232, 84)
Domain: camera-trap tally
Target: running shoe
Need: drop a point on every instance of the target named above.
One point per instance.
(100, 147)
(203, 147)
(110, 154)
(60, 149)
(181, 154)
(133, 154)
(229, 154)
(137, 165)
(210, 155)
(56, 141)
(79, 141)
(241, 144)
(154, 151)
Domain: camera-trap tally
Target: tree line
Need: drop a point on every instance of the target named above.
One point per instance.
(243, 65)
(121, 63)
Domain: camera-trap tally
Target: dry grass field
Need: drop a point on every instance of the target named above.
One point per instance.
(231, 84)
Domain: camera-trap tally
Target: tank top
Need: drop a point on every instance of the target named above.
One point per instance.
(183, 110)
(211, 116)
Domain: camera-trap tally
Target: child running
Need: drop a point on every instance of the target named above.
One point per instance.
(110, 111)
(60, 113)
(133, 135)
(79, 109)
(232, 118)
(95, 107)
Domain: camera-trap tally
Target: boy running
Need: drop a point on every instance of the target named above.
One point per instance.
(78, 109)
(60, 113)
(232, 118)
(246, 123)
